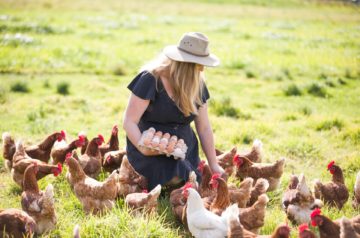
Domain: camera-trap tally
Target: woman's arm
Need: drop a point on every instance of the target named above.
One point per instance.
(206, 137)
(135, 109)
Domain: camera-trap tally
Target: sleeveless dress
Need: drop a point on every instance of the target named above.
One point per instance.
(163, 114)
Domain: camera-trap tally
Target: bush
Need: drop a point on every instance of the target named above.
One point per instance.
(20, 87)
(342, 81)
(292, 90)
(306, 111)
(317, 90)
(63, 88)
(329, 124)
(119, 70)
(250, 74)
(225, 108)
(3, 95)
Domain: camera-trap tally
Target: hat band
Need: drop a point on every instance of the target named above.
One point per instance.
(186, 51)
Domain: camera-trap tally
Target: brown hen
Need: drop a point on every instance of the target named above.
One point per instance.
(130, 180)
(335, 192)
(16, 223)
(271, 172)
(91, 160)
(96, 197)
(38, 204)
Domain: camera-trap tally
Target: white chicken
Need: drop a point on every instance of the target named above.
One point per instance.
(203, 223)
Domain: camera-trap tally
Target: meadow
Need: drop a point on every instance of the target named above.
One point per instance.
(289, 76)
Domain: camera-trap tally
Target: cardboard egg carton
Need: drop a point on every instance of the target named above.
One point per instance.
(164, 143)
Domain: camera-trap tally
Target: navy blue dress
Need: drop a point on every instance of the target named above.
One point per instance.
(163, 114)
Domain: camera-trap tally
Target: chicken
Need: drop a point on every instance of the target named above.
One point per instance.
(298, 201)
(260, 187)
(348, 229)
(335, 192)
(38, 204)
(235, 229)
(112, 160)
(112, 144)
(16, 223)
(252, 218)
(60, 149)
(290, 194)
(41, 151)
(327, 228)
(241, 195)
(96, 197)
(76, 231)
(256, 152)
(222, 198)
(145, 201)
(356, 202)
(91, 160)
(130, 180)
(178, 199)
(205, 189)
(86, 141)
(21, 161)
(304, 231)
(8, 149)
(271, 172)
(225, 160)
(203, 223)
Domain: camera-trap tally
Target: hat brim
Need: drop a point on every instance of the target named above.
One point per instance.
(174, 53)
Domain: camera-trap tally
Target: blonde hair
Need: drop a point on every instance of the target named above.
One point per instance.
(186, 81)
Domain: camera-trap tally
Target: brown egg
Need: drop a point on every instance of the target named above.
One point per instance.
(156, 140)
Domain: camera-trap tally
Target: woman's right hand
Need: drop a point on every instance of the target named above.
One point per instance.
(148, 152)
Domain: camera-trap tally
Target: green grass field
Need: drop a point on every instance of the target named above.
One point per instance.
(290, 76)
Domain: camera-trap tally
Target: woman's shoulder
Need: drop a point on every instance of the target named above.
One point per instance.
(144, 85)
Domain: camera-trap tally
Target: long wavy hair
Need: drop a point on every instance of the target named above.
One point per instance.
(185, 79)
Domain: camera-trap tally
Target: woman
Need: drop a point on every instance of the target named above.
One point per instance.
(168, 95)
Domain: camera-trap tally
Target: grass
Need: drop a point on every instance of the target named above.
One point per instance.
(268, 50)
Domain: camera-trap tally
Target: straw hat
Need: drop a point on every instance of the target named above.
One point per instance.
(193, 47)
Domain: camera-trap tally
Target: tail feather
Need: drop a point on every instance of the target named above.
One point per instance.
(76, 232)
(231, 211)
(156, 191)
(20, 147)
(262, 185)
(247, 183)
(357, 183)
(192, 177)
(317, 188)
(257, 146)
(8, 146)
(262, 201)
(302, 187)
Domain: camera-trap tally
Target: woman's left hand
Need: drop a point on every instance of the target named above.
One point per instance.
(216, 168)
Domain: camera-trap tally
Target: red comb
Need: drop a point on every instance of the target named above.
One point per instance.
(315, 213)
(236, 157)
(59, 167)
(68, 155)
(145, 191)
(215, 176)
(63, 134)
(101, 137)
(81, 138)
(187, 185)
(330, 165)
(108, 158)
(303, 227)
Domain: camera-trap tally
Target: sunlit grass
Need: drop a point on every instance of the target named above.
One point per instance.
(289, 76)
